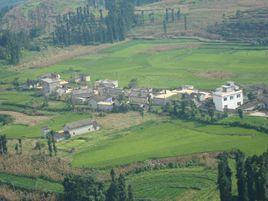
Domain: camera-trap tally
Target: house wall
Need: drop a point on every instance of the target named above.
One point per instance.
(82, 130)
(105, 107)
(234, 103)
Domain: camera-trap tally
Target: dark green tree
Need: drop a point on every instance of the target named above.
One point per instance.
(241, 176)
(224, 178)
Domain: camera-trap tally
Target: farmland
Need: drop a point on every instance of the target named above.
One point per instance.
(165, 63)
(166, 139)
(175, 184)
(30, 183)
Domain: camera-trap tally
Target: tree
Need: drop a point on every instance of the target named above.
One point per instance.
(82, 188)
(224, 178)
(165, 26)
(49, 143)
(122, 192)
(133, 83)
(240, 113)
(20, 146)
(3, 145)
(241, 176)
(211, 114)
(112, 193)
(130, 193)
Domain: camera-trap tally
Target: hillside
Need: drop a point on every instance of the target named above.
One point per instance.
(38, 13)
(5, 3)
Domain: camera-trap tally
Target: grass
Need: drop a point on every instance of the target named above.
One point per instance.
(56, 123)
(251, 120)
(31, 183)
(175, 184)
(186, 64)
(166, 139)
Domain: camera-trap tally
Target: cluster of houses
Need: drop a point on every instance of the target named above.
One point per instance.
(104, 95)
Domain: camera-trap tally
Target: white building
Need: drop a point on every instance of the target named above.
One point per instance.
(81, 127)
(229, 96)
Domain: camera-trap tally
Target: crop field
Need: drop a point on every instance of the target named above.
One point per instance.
(30, 183)
(55, 122)
(165, 139)
(166, 63)
(175, 184)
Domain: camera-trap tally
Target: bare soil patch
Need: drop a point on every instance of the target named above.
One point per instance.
(215, 74)
(58, 55)
(122, 121)
(165, 48)
(21, 118)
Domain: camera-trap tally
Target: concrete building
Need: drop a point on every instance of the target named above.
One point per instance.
(81, 127)
(106, 83)
(229, 96)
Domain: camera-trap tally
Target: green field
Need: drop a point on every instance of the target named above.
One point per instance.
(173, 138)
(31, 183)
(196, 184)
(166, 63)
(56, 123)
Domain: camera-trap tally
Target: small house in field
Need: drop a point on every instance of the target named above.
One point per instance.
(81, 127)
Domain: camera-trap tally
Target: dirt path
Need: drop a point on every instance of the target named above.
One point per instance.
(21, 118)
(57, 55)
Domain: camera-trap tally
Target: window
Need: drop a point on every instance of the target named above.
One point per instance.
(225, 99)
(238, 95)
(231, 97)
(239, 103)
(225, 106)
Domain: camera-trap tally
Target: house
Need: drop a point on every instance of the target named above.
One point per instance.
(61, 135)
(140, 96)
(81, 78)
(93, 101)
(105, 105)
(49, 75)
(50, 85)
(229, 96)
(45, 130)
(110, 91)
(81, 96)
(164, 97)
(81, 127)
(106, 83)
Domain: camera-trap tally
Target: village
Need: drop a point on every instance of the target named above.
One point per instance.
(105, 96)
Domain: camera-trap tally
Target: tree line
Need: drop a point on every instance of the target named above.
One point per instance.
(251, 175)
(84, 27)
(83, 188)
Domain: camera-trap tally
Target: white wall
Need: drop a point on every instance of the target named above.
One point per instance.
(82, 130)
(220, 101)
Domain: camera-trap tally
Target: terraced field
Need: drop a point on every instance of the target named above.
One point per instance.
(175, 184)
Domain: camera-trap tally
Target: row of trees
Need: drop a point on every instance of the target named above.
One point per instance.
(251, 175)
(84, 27)
(82, 188)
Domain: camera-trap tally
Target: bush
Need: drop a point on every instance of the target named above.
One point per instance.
(6, 119)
